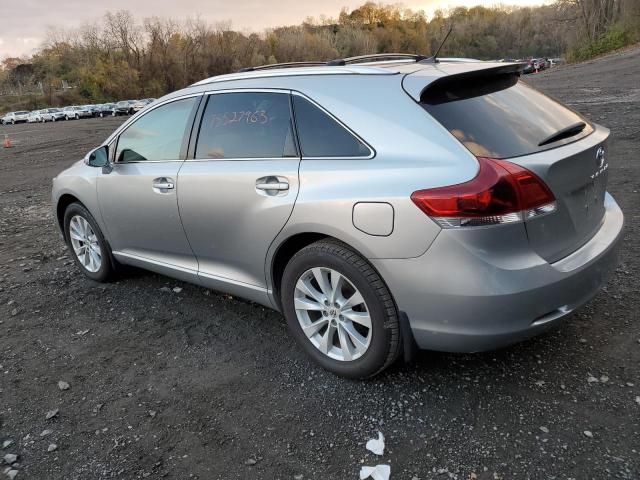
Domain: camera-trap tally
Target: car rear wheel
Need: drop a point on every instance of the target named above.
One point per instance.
(87, 244)
(340, 311)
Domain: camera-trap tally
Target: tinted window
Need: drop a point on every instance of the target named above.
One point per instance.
(501, 117)
(321, 136)
(246, 125)
(157, 135)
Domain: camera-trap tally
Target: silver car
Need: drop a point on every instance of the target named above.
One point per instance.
(12, 118)
(76, 112)
(381, 207)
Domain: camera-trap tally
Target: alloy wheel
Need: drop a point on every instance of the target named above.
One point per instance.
(85, 243)
(332, 314)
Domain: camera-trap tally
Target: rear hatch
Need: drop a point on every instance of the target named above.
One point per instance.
(496, 115)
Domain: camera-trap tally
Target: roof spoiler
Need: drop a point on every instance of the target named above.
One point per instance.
(467, 84)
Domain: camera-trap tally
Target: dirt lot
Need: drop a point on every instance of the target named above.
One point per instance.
(196, 384)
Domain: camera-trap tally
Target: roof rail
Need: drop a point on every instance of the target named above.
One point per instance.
(377, 57)
(339, 62)
(283, 65)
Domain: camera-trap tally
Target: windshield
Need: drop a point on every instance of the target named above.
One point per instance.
(502, 117)
(22, 113)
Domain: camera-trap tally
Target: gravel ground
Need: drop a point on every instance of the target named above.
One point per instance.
(196, 384)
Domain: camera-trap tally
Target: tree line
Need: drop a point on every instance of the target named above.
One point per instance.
(120, 56)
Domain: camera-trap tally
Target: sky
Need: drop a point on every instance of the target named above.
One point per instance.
(23, 23)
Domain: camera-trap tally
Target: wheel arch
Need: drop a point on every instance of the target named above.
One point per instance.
(283, 253)
(63, 202)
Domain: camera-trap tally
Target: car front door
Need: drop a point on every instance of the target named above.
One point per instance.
(238, 190)
(138, 198)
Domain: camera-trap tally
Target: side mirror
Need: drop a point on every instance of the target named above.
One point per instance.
(98, 157)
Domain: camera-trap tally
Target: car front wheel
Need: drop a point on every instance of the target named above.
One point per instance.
(87, 244)
(340, 311)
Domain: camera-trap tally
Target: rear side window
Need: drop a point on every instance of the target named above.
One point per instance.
(158, 135)
(321, 136)
(246, 125)
(502, 117)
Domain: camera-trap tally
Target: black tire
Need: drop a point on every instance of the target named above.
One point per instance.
(386, 344)
(106, 270)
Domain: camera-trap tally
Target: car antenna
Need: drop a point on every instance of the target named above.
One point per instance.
(434, 57)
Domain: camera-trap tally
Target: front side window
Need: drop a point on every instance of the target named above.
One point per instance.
(158, 135)
(246, 125)
(321, 136)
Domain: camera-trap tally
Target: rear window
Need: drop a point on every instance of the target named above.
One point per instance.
(502, 117)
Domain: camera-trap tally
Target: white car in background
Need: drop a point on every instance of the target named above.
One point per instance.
(15, 117)
(56, 114)
(40, 116)
(76, 112)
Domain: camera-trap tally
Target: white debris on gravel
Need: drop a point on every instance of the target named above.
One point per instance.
(62, 385)
(7, 443)
(177, 289)
(52, 413)
(12, 474)
(376, 446)
(638, 400)
(592, 379)
(587, 433)
(52, 447)
(379, 472)
(10, 458)
(544, 429)
(46, 432)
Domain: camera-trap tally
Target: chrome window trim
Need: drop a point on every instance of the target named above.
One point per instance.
(112, 140)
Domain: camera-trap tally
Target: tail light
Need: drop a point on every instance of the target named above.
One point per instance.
(502, 192)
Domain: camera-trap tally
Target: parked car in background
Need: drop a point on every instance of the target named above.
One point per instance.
(123, 107)
(529, 67)
(106, 109)
(34, 117)
(136, 106)
(76, 112)
(56, 114)
(486, 225)
(12, 118)
(93, 109)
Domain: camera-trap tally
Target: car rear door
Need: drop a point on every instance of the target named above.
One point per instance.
(238, 189)
(137, 197)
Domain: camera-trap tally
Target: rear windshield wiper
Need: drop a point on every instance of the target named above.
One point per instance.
(566, 132)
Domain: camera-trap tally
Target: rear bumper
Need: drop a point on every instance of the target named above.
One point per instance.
(461, 298)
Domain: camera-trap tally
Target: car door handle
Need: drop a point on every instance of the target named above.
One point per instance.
(273, 186)
(163, 184)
